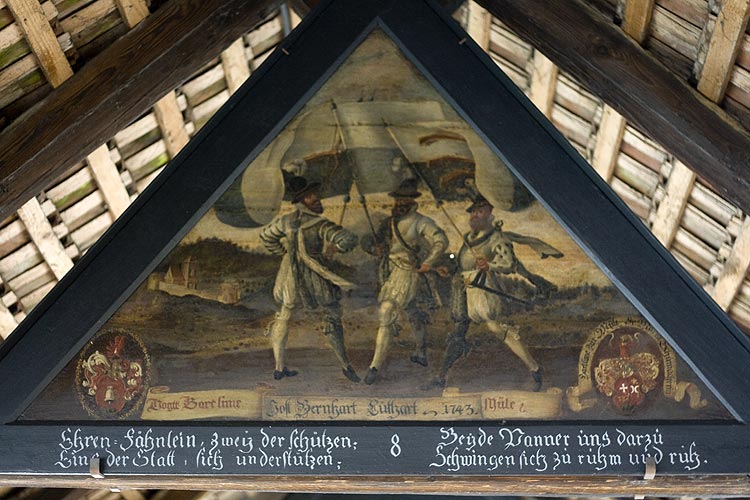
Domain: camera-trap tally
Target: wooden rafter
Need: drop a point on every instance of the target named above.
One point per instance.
(584, 43)
(107, 94)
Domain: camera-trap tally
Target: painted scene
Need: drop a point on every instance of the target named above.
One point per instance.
(376, 262)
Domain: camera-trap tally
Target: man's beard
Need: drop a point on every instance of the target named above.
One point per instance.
(316, 207)
(401, 210)
(478, 224)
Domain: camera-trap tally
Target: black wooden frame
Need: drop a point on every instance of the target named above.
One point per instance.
(699, 331)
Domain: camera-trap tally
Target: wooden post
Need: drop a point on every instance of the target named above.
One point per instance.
(30, 17)
(608, 141)
(636, 18)
(672, 207)
(543, 83)
(724, 43)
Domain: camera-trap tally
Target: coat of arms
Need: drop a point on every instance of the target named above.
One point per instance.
(112, 373)
(627, 378)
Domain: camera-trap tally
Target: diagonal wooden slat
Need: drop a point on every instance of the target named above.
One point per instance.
(479, 24)
(109, 181)
(44, 238)
(723, 45)
(636, 18)
(106, 95)
(672, 207)
(608, 141)
(735, 268)
(235, 65)
(30, 17)
(171, 123)
(543, 83)
(132, 11)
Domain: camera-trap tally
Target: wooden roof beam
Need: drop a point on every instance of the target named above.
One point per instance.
(115, 88)
(584, 43)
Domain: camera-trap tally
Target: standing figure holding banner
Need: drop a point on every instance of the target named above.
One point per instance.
(410, 245)
(477, 296)
(304, 279)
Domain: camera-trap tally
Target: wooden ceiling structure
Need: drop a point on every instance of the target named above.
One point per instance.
(97, 95)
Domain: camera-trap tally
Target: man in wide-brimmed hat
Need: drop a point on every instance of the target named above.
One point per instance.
(304, 279)
(410, 245)
(477, 296)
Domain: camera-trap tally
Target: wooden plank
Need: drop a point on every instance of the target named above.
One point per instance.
(478, 25)
(672, 207)
(235, 65)
(543, 83)
(636, 18)
(106, 95)
(31, 19)
(637, 175)
(608, 140)
(727, 35)
(83, 211)
(674, 32)
(171, 123)
(599, 55)
(44, 238)
(660, 486)
(80, 24)
(108, 178)
(132, 11)
(735, 269)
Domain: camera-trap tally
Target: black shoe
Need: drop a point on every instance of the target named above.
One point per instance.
(435, 383)
(420, 360)
(351, 374)
(537, 376)
(286, 372)
(372, 374)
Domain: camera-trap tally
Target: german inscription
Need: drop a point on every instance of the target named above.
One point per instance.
(320, 450)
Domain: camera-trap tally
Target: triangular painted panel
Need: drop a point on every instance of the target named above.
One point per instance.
(541, 335)
(134, 255)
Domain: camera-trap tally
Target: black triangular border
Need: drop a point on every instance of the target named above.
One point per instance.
(701, 333)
